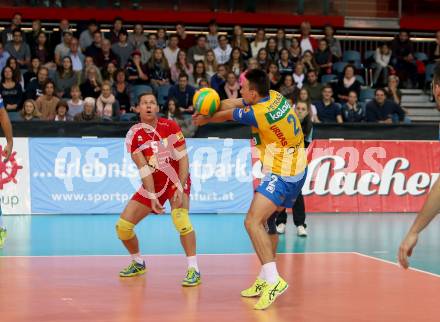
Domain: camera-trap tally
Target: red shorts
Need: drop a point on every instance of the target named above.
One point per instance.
(166, 195)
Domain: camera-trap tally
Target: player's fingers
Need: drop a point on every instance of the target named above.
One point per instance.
(403, 258)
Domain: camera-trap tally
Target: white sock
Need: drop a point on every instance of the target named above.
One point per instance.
(270, 272)
(261, 275)
(192, 262)
(137, 258)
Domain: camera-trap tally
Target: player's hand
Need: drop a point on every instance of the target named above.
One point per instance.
(7, 152)
(157, 207)
(406, 249)
(200, 120)
(177, 198)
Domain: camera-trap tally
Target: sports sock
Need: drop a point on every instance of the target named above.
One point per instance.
(270, 272)
(137, 258)
(261, 275)
(192, 262)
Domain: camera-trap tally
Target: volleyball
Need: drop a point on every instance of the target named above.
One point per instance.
(206, 101)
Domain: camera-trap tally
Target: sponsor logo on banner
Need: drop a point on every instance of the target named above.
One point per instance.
(14, 178)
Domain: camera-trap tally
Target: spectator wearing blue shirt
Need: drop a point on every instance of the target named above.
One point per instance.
(4, 55)
(328, 110)
(218, 79)
(352, 110)
(382, 110)
(183, 94)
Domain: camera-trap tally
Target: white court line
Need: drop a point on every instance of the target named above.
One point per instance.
(166, 255)
(395, 264)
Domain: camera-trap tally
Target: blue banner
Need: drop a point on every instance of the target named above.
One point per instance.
(97, 175)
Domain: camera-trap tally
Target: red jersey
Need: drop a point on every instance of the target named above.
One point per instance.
(158, 145)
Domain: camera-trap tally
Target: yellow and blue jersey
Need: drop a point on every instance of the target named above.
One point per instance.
(277, 134)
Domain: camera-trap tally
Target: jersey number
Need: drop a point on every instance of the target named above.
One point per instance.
(291, 119)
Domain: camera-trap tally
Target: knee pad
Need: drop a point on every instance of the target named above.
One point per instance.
(271, 226)
(125, 229)
(181, 221)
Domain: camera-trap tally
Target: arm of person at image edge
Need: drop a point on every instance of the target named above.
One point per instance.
(7, 130)
(230, 109)
(147, 181)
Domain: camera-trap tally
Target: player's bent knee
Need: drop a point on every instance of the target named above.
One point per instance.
(181, 221)
(124, 229)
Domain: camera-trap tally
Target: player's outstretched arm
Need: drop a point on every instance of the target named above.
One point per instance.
(430, 209)
(217, 117)
(183, 174)
(231, 103)
(7, 130)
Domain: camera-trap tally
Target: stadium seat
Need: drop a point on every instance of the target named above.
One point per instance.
(351, 56)
(14, 116)
(328, 78)
(338, 67)
(421, 56)
(366, 94)
(360, 79)
(429, 72)
(136, 90)
(368, 54)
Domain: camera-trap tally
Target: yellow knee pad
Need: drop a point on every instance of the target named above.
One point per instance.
(125, 229)
(181, 221)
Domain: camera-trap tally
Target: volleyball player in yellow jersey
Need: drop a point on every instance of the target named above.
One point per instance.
(278, 136)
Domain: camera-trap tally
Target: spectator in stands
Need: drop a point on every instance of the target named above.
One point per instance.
(236, 62)
(109, 74)
(65, 78)
(150, 47)
(76, 56)
(185, 124)
(63, 49)
(381, 110)
(76, 104)
(31, 72)
(4, 55)
(29, 111)
(347, 84)
(19, 49)
(240, 41)
(89, 112)
(136, 71)
(272, 51)
(333, 43)
(401, 46)
(47, 102)
(288, 88)
(304, 96)
(282, 41)
(306, 41)
(172, 49)
(324, 58)
(183, 93)
(274, 76)
(87, 36)
(41, 49)
(32, 36)
(219, 78)
(295, 50)
(181, 66)
(213, 35)
(113, 36)
(12, 62)
(259, 42)
(298, 75)
(198, 74)
(10, 91)
(263, 59)
(35, 87)
(231, 89)
(309, 62)
(137, 38)
(285, 65)
(223, 50)
(159, 70)
(328, 110)
(61, 112)
(123, 49)
(7, 34)
(186, 41)
(392, 91)
(91, 87)
(94, 48)
(107, 106)
(57, 35)
(88, 62)
(352, 110)
(121, 91)
(210, 63)
(198, 52)
(107, 55)
(383, 67)
(434, 49)
(313, 87)
(203, 83)
(161, 38)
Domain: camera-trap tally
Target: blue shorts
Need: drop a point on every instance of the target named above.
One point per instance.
(282, 190)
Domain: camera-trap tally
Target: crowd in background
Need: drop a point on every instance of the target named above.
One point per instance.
(88, 75)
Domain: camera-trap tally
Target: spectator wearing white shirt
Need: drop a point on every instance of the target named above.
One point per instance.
(307, 42)
(259, 42)
(172, 49)
(298, 75)
(382, 57)
(223, 51)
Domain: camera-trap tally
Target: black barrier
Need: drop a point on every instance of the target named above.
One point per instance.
(355, 131)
